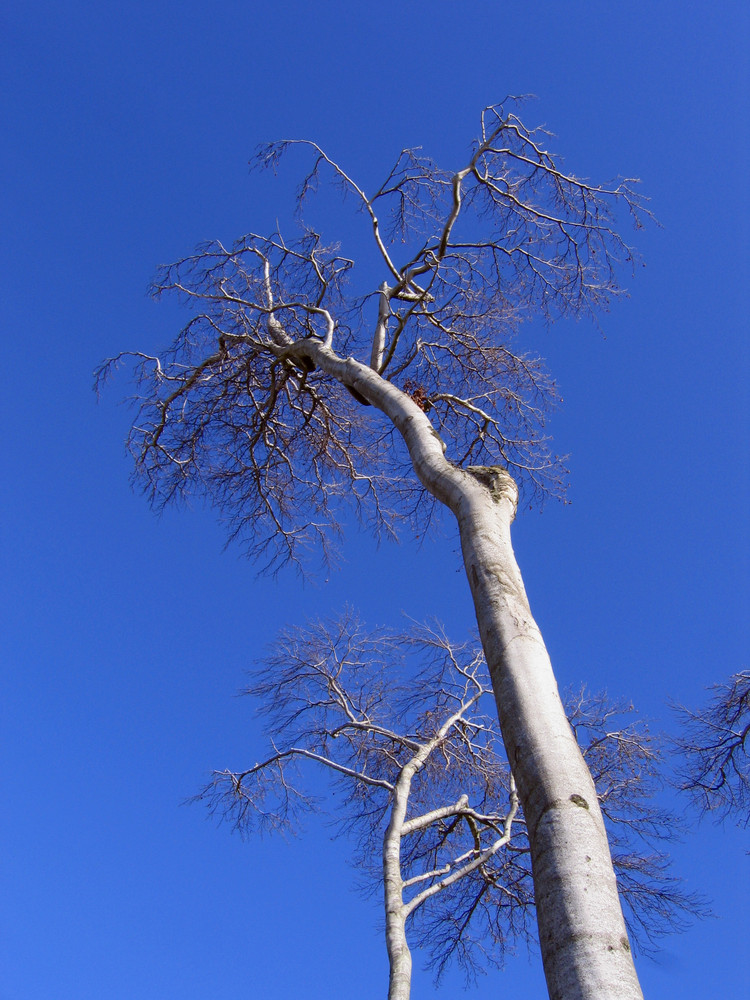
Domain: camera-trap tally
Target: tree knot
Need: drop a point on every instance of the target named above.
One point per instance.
(499, 482)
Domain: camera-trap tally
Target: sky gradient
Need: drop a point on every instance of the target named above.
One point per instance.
(127, 133)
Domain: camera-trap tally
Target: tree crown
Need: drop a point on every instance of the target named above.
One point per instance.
(238, 410)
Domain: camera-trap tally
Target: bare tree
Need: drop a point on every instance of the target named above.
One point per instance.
(426, 793)
(713, 747)
(254, 407)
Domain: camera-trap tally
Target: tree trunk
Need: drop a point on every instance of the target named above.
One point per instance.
(582, 932)
(399, 956)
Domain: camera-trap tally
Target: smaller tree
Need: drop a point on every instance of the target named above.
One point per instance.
(427, 792)
(713, 746)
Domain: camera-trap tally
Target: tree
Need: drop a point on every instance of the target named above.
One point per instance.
(425, 792)
(713, 747)
(287, 395)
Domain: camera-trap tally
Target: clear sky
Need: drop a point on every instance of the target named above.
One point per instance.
(126, 134)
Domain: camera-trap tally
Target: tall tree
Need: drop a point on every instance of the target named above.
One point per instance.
(287, 394)
(399, 723)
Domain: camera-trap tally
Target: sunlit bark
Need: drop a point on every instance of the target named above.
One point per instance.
(582, 933)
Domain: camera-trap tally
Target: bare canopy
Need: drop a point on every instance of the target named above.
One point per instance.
(713, 748)
(241, 409)
(399, 723)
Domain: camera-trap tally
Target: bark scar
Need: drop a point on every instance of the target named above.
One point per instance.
(498, 482)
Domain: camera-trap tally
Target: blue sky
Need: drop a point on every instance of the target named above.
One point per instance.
(127, 131)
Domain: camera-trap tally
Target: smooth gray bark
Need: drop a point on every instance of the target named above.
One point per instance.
(396, 910)
(399, 955)
(582, 932)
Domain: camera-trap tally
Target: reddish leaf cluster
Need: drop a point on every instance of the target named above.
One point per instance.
(419, 394)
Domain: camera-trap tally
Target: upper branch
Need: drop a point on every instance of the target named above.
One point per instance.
(269, 154)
